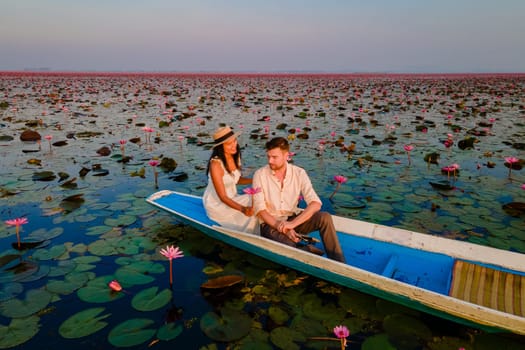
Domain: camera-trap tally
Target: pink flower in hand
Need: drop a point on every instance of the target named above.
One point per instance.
(252, 190)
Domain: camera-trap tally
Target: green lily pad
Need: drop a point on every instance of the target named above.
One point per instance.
(131, 332)
(63, 268)
(35, 300)
(309, 327)
(71, 283)
(102, 247)
(149, 300)
(97, 291)
(98, 230)
(378, 341)
(51, 253)
(229, 326)
(119, 206)
(84, 263)
(278, 315)
(44, 176)
(315, 309)
(79, 248)
(120, 221)
(18, 272)
(446, 343)
(18, 331)
(138, 272)
(169, 331)
(83, 323)
(10, 290)
(42, 234)
(286, 338)
(405, 331)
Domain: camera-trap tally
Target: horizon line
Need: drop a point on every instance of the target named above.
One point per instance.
(248, 72)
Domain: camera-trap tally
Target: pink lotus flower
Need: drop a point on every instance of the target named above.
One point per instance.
(341, 332)
(340, 179)
(523, 186)
(148, 130)
(408, 149)
(252, 190)
(154, 163)
(115, 286)
(171, 253)
(49, 138)
(17, 223)
(453, 168)
(511, 160)
(122, 149)
(509, 163)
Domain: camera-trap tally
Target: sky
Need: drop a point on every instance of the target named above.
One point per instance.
(398, 36)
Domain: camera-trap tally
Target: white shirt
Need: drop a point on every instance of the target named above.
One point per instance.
(281, 200)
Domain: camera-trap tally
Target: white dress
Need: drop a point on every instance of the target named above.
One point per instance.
(223, 214)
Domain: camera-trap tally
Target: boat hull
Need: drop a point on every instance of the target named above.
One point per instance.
(380, 262)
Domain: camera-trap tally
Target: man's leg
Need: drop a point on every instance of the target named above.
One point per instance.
(323, 222)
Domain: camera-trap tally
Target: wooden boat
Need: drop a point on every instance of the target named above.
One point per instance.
(475, 285)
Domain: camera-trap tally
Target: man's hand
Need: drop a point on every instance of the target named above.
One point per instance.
(287, 229)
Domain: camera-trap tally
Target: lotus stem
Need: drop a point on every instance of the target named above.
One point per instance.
(335, 191)
(171, 274)
(18, 235)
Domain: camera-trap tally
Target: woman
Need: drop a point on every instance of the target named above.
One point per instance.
(222, 202)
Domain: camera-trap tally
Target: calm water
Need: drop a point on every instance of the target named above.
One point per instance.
(100, 228)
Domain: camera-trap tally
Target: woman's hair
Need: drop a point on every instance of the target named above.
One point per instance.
(278, 142)
(218, 153)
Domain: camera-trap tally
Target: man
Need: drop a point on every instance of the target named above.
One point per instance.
(281, 185)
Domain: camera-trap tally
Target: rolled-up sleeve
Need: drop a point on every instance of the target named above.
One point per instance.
(307, 190)
(258, 198)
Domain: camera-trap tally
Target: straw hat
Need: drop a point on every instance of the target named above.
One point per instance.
(223, 134)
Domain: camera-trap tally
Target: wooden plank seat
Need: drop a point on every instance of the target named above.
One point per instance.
(482, 285)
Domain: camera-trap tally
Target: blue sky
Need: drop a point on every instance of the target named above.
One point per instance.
(421, 36)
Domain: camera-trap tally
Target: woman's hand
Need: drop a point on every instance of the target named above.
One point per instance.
(248, 211)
